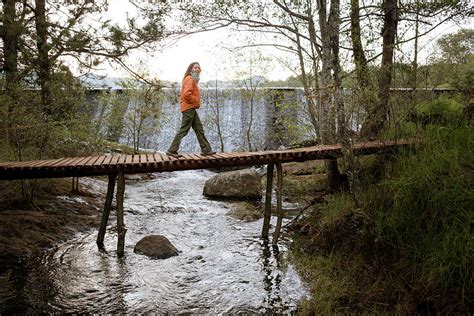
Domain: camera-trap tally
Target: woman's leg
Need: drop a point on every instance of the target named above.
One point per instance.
(199, 130)
(186, 123)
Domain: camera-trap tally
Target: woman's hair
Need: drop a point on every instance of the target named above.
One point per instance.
(190, 67)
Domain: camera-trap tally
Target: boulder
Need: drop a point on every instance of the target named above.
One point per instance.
(156, 247)
(238, 184)
(304, 168)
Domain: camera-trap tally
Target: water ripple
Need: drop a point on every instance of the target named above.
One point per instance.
(224, 267)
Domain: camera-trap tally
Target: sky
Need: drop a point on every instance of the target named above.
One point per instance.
(170, 62)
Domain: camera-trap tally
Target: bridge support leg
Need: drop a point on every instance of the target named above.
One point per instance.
(121, 230)
(106, 211)
(267, 213)
(279, 210)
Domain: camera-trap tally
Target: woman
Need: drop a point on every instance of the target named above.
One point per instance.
(190, 101)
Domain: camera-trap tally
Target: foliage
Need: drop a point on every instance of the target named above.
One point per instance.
(442, 110)
(408, 247)
(456, 48)
(133, 113)
(43, 107)
(31, 134)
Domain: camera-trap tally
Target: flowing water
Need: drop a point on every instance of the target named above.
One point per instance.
(223, 266)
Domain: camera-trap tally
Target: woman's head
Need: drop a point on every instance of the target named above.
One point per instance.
(193, 67)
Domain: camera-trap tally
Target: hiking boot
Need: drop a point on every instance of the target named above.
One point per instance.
(208, 153)
(173, 154)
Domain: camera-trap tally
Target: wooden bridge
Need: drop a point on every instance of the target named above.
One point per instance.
(116, 166)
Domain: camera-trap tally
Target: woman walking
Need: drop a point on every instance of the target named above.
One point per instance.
(190, 101)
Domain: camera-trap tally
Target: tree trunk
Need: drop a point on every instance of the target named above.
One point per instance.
(377, 117)
(360, 60)
(218, 119)
(306, 87)
(10, 36)
(327, 127)
(44, 65)
(334, 23)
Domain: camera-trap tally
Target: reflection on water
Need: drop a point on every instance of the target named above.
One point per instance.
(223, 266)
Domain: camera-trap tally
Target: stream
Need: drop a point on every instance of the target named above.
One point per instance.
(224, 267)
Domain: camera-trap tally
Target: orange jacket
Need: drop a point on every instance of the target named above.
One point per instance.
(190, 95)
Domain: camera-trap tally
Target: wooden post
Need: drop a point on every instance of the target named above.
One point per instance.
(279, 210)
(106, 211)
(121, 230)
(75, 185)
(267, 214)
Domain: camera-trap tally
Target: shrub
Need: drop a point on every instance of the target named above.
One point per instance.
(407, 247)
(442, 111)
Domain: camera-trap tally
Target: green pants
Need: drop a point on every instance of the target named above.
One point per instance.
(190, 119)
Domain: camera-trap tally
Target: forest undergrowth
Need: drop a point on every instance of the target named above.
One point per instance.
(404, 244)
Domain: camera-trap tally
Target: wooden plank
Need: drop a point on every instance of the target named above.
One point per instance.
(28, 164)
(228, 155)
(92, 161)
(166, 158)
(136, 159)
(122, 159)
(79, 162)
(196, 157)
(100, 160)
(70, 162)
(129, 159)
(20, 164)
(220, 156)
(107, 161)
(54, 165)
(143, 159)
(65, 162)
(114, 160)
(188, 157)
(158, 158)
(233, 155)
(208, 157)
(88, 160)
(35, 163)
(150, 158)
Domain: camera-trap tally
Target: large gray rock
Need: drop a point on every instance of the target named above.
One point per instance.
(156, 247)
(234, 184)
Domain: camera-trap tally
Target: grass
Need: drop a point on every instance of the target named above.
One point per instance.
(408, 247)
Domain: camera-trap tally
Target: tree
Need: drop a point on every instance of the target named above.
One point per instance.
(250, 69)
(294, 22)
(38, 36)
(454, 60)
(142, 116)
(456, 48)
(378, 115)
(214, 101)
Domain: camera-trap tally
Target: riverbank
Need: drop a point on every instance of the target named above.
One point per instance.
(403, 244)
(55, 215)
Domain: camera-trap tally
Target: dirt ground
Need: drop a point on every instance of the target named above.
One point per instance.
(55, 215)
